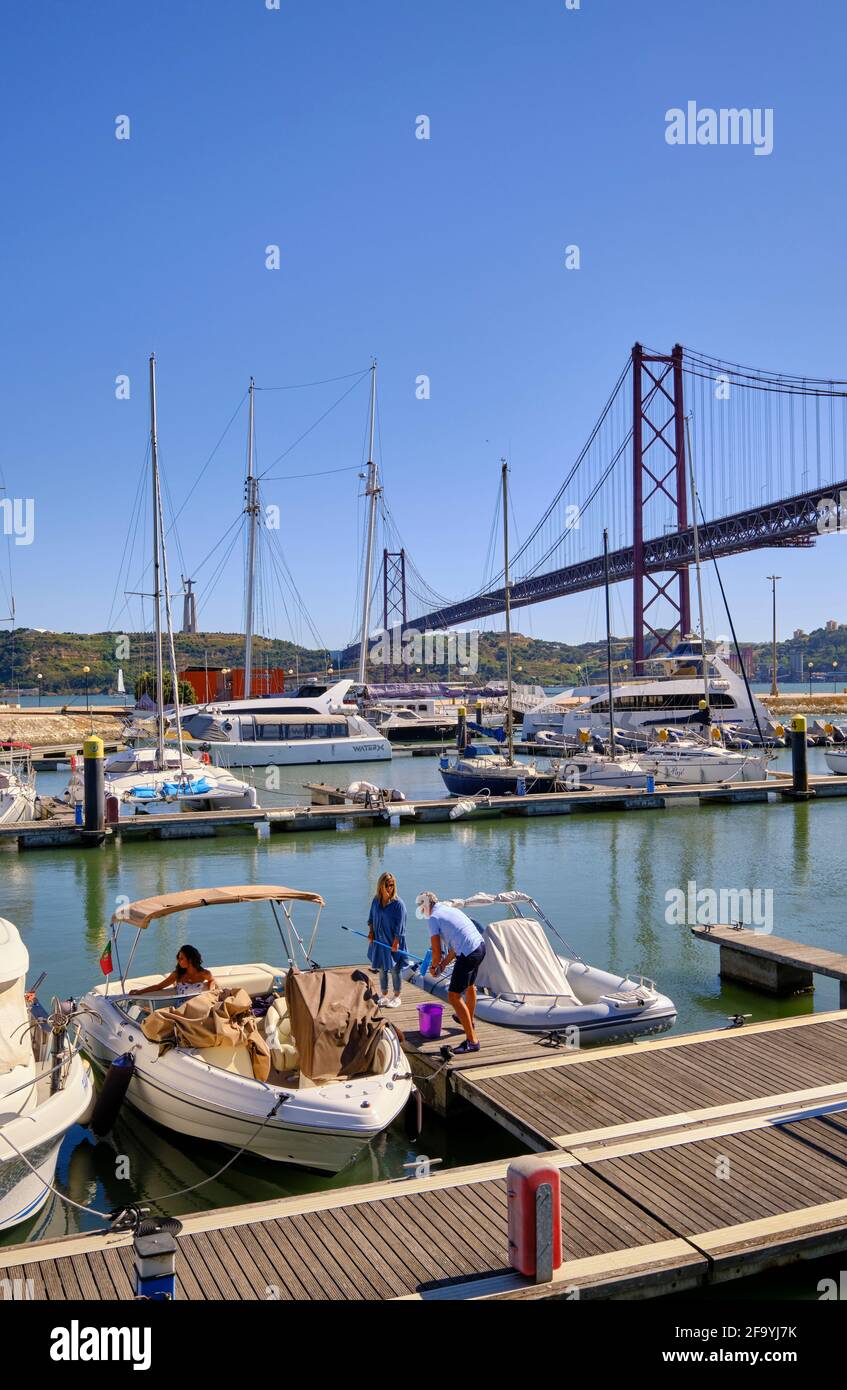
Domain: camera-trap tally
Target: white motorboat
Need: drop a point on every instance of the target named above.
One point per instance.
(836, 761)
(644, 704)
(285, 736)
(210, 1089)
(525, 983)
(406, 724)
(45, 1087)
(17, 785)
(149, 783)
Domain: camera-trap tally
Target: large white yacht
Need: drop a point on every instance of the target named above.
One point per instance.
(645, 704)
(315, 725)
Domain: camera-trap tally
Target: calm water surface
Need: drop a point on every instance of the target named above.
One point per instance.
(603, 879)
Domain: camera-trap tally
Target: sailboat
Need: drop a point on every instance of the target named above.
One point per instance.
(164, 778)
(487, 773)
(17, 784)
(317, 725)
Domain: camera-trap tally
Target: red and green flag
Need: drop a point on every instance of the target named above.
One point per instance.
(106, 959)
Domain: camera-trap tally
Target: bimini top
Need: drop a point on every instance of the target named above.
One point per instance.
(146, 910)
(489, 899)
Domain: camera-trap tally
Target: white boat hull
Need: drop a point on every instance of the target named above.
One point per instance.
(17, 804)
(604, 1018)
(321, 1127)
(38, 1135)
(693, 770)
(836, 761)
(300, 754)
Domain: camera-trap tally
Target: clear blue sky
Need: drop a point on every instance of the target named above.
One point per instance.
(296, 127)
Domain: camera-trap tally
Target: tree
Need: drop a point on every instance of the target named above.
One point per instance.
(146, 685)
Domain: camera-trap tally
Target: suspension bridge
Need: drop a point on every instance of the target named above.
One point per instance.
(769, 455)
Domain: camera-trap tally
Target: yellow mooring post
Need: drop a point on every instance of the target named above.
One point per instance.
(799, 757)
(94, 793)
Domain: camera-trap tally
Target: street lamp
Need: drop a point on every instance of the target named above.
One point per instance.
(811, 664)
(225, 671)
(39, 678)
(774, 688)
(85, 671)
(834, 669)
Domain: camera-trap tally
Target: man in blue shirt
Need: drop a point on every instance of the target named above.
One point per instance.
(454, 937)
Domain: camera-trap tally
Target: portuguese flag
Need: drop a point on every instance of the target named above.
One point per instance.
(106, 959)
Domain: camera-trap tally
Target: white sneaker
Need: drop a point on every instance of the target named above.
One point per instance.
(384, 1002)
(393, 1003)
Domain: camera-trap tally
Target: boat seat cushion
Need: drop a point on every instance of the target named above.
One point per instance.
(231, 1059)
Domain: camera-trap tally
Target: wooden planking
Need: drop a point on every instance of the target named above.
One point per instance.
(555, 1105)
(777, 948)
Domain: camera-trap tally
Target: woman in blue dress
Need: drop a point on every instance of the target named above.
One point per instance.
(387, 937)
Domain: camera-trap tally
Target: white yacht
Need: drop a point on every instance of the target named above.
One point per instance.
(309, 1082)
(836, 761)
(646, 704)
(17, 785)
(45, 1087)
(286, 730)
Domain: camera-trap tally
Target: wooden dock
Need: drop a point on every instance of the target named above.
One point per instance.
(684, 1162)
(296, 820)
(773, 963)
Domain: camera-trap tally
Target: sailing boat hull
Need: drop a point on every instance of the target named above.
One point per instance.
(506, 781)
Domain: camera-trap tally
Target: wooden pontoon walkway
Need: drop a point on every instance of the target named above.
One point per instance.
(773, 963)
(296, 820)
(684, 1161)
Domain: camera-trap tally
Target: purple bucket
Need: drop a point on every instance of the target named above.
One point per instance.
(430, 1016)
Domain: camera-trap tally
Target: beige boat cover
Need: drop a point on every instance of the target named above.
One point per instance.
(520, 960)
(334, 1022)
(146, 910)
(214, 1018)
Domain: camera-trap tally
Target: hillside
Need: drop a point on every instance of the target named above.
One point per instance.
(60, 657)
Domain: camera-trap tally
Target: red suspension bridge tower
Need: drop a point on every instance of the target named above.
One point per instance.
(659, 490)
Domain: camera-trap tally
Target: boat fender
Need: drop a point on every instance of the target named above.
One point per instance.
(413, 1114)
(112, 1094)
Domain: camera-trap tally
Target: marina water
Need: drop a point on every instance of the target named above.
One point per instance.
(604, 879)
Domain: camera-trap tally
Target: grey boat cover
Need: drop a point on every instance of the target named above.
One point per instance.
(334, 1019)
(520, 960)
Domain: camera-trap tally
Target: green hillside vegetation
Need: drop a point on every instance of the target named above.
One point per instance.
(60, 657)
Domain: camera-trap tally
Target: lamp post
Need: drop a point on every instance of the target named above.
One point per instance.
(774, 688)
(85, 671)
(225, 671)
(811, 664)
(39, 678)
(834, 670)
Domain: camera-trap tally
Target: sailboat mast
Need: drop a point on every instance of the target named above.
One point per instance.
(508, 596)
(169, 624)
(157, 582)
(693, 484)
(372, 490)
(251, 493)
(609, 644)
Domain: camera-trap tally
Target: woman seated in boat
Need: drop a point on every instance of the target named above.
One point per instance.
(454, 937)
(189, 977)
(387, 937)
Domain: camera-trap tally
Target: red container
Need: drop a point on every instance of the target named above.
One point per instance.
(113, 810)
(524, 1178)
